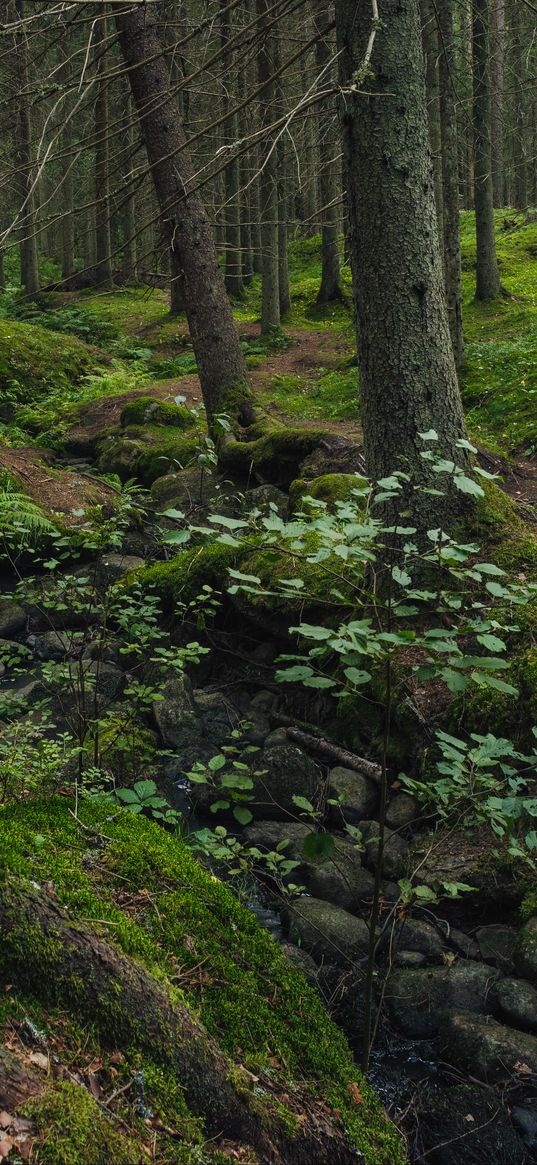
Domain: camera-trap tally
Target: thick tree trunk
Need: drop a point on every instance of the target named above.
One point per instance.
(268, 180)
(518, 48)
(487, 273)
(429, 32)
(330, 288)
(64, 963)
(103, 238)
(221, 365)
(408, 376)
(450, 175)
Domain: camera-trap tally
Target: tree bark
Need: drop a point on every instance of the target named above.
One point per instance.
(221, 365)
(64, 963)
(330, 288)
(429, 32)
(103, 238)
(268, 180)
(450, 177)
(487, 273)
(407, 371)
(497, 98)
(24, 162)
(232, 224)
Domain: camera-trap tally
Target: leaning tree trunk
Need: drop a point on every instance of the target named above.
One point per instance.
(487, 273)
(64, 963)
(408, 376)
(450, 176)
(221, 364)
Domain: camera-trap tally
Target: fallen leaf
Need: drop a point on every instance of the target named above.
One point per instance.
(354, 1091)
(94, 1086)
(5, 1119)
(40, 1060)
(469, 1117)
(523, 1069)
(6, 1145)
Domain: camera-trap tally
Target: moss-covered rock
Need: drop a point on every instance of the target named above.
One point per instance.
(147, 452)
(159, 907)
(269, 453)
(149, 410)
(485, 710)
(34, 361)
(182, 579)
(495, 524)
(73, 1130)
(329, 488)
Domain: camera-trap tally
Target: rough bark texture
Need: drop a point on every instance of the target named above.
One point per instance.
(63, 962)
(497, 97)
(221, 365)
(487, 274)
(268, 181)
(408, 377)
(17, 1082)
(431, 54)
(450, 176)
(232, 233)
(330, 288)
(24, 161)
(103, 238)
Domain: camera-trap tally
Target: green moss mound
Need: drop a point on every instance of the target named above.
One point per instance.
(329, 488)
(182, 579)
(259, 1008)
(273, 454)
(34, 361)
(148, 409)
(147, 452)
(73, 1130)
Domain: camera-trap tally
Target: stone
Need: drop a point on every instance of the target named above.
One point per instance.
(360, 797)
(462, 943)
(186, 489)
(301, 960)
(342, 989)
(286, 772)
(326, 932)
(486, 1048)
(525, 1120)
(12, 618)
(277, 736)
(176, 715)
(418, 1000)
(339, 878)
(218, 715)
(395, 848)
(413, 934)
(516, 1000)
(411, 959)
(402, 811)
(263, 496)
(525, 952)
(113, 567)
(465, 1125)
(57, 644)
(496, 944)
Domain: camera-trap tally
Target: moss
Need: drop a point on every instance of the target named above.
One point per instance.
(329, 488)
(147, 452)
(528, 906)
(73, 1130)
(486, 710)
(276, 454)
(182, 579)
(148, 409)
(34, 361)
(248, 996)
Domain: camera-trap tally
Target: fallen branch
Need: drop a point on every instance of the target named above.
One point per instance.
(333, 752)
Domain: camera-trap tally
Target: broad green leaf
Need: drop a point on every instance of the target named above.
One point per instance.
(303, 803)
(467, 485)
(242, 815)
(318, 846)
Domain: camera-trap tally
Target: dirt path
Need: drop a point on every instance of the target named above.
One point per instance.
(56, 491)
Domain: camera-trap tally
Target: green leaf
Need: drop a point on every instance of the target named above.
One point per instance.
(242, 815)
(172, 514)
(430, 435)
(228, 523)
(318, 846)
(216, 763)
(467, 485)
(237, 781)
(303, 803)
(249, 578)
(144, 789)
(356, 676)
(498, 685)
(176, 537)
(319, 682)
(401, 576)
(128, 796)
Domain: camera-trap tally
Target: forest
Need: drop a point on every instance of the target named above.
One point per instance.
(268, 582)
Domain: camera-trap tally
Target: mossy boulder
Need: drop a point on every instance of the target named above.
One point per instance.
(147, 452)
(181, 579)
(123, 877)
(149, 410)
(71, 1129)
(418, 999)
(486, 710)
(326, 932)
(486, 1048)
(329, 488)
(35, 361)
(526, 951)
(496, 525)
(268, 453)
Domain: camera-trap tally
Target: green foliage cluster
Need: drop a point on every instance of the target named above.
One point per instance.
(34, 362)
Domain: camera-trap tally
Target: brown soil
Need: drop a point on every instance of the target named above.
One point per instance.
(56, 491)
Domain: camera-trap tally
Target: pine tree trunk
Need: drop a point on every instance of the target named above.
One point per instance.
(487, 273)
(268, 181)
(221, 365)
(497, 100)
(519, 110)
(103, 239)
(407, 372)
(24, 162)
(431, 52)
(230, 129)
(450, 176)
(330, 288)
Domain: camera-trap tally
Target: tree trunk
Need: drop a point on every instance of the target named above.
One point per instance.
(450, 175)
(103, 238)
(497, 98)
(407, 371)
(24, 162)
(518, 105)
(221, 365)
(429, 32)
(284, 290)
(64, 963)
(268, 180)
(230, 129)
(330, 289)
(487, 273)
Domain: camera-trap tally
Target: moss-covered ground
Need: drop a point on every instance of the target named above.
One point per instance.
(141, 888)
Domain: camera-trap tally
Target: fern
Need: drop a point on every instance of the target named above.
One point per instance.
(22, 522)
